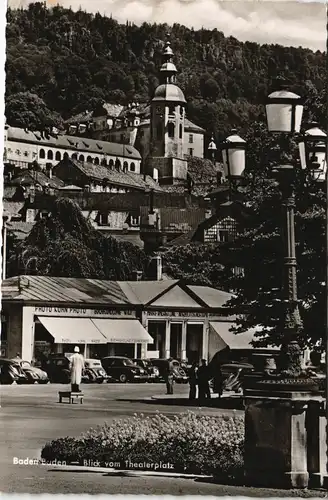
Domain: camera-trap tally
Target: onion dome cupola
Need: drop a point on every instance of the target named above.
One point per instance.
(168, 90)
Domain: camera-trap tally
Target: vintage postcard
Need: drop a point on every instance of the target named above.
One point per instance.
(164, 292)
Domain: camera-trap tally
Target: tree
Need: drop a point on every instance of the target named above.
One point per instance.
(66, 244)
(26, 110)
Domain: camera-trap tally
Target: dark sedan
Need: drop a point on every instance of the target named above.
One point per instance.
(124, 369)
(149, 367)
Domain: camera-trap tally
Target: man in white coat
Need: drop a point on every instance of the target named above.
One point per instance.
(77, 366)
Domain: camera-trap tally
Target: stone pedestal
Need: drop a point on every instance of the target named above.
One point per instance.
(276, 452)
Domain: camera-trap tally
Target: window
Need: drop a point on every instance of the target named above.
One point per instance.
(96, 161)
(50, 155)
(111, 164)
(118, 165)
(58, 156)
(180, 131)
(81, 157)
(74, 156)
(191, 138)
(190, 151)
(18, 152)
(223, 235)
(89, 159)
(103, 219)
(65, 156)
(171, 109)
(104, 162)
(25, 153)
(125, 166)
(226, 229)
(170, 129)
(132, 167)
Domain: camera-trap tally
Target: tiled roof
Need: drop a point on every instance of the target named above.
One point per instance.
(101, 172)
(113, 110)
(130, 237)
(28, 177)
(20, 229)
(12, 207)
(73, 143)
(189, 125)
(211, 296)
(183, 239)
(71, 187)
(82, 291)
(51, 289)
(175, 219)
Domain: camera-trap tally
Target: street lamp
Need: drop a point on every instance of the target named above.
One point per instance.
(284, 111)
(233, 155)
(312, 149)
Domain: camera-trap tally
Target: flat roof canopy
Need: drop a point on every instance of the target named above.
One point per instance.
(125, 331)
(95, 331)
(72, 330)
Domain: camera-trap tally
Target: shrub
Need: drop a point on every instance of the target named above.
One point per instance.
(192, 443)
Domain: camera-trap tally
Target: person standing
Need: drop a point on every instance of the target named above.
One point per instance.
(218, 382)
(76, 366)
(203, 381)
(169, 377)
(193, 380)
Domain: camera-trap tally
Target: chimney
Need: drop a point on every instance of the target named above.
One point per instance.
(136, 275)
(156, 268)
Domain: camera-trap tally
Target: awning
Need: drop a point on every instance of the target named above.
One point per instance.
(72, 330)
(125, 331)
(226, 338)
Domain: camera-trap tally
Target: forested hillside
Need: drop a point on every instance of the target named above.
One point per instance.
(72, 60)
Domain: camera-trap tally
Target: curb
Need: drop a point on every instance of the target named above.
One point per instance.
(125, 472)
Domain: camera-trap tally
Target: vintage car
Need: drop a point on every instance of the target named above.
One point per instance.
(11, 372)
(149, 367)
(94, 371)
(32, 373)
(232, 376)
(58, 369)
(124, 369)
(179, 375)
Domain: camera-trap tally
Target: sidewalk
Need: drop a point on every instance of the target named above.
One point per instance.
(228, 400)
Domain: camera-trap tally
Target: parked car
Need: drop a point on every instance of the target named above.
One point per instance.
(233, 373)
(179, 375)
(58, 369)
(94, 371)
(11, 372)
(32, 373)
(150, 369)
(124, 369)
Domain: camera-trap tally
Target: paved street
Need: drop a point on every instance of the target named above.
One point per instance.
(31, 416)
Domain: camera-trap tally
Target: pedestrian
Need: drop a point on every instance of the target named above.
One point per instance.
(169, 377)
(76, 367)
(203, 381)
(193, 380)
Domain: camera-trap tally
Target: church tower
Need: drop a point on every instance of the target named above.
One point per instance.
(167, 123)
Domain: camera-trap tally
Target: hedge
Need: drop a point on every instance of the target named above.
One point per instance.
(195, 444)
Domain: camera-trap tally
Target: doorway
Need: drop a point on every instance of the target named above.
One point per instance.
(194, 346)
(176, 340)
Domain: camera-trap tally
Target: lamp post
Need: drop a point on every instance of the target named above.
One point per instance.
(275, 403)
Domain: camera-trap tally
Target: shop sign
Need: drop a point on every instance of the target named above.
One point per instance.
(82, 341)
(86, 313)
(177, 314)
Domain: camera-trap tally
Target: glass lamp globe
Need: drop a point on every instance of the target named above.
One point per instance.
(233, 154)
(313, 152)
(284, 112)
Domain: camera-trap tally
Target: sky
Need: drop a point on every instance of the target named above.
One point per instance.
(296, 23)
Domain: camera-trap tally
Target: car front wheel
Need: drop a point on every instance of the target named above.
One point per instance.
(123, 378)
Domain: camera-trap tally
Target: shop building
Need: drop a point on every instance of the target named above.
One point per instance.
(161, 318)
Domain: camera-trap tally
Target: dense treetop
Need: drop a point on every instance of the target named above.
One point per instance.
(72, 60)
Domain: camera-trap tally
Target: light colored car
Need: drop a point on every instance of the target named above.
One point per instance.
(94, 371)
(32, 373)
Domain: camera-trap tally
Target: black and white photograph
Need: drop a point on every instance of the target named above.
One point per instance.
(164, 288)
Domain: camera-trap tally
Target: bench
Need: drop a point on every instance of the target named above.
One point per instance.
(71, 396)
